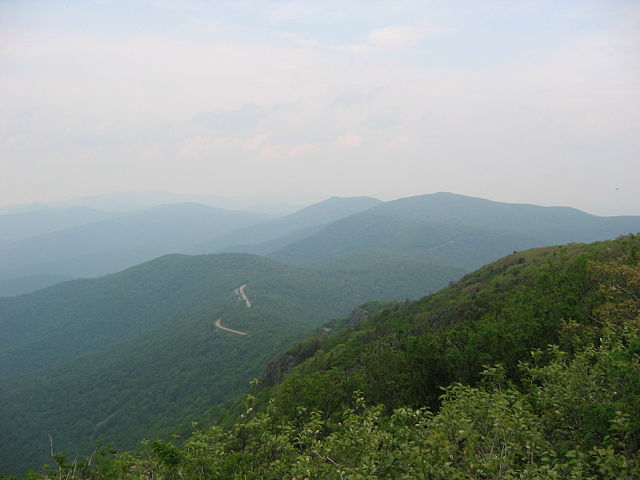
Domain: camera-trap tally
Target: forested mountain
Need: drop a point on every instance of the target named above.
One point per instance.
(266, 237)
(546, 224)
(61, 322)
(138, 353)
(459, 246)
(451, 230)
(527, 368)
(111, 245)
(499, 313)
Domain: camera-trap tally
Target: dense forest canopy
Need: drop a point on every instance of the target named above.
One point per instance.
(527, 368)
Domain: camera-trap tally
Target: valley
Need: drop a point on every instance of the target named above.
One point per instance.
(148, 350)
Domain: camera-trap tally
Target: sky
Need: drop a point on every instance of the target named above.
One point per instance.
(516, 101)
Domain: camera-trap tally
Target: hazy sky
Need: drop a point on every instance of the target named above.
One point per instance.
(519, 101)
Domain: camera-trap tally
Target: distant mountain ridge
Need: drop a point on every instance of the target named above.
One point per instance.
(555, 224)
(50, 250)
(262, 237)
(450, 229)
(129, 202)
(18, 226)
(110, 245)
(444, 229)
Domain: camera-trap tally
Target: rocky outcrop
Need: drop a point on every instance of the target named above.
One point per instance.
(276, 370)
(357, 316)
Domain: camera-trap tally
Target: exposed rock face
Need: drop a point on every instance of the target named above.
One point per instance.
(276, 370)
(357, 316)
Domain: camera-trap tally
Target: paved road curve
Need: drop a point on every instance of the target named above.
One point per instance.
(240, 293)
(229, 329)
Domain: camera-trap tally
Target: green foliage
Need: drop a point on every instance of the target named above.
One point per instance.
(137, 354)
(571, 410)
(526, 301)
(494, 431)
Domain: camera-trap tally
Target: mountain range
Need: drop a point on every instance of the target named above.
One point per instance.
(145, 351)
(452, 231)
(107, 246)
(455, 230)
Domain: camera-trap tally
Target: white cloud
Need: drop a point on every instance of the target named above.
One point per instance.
(392, 38)
(302, 149)
(203, 145)
(196, 146)
(254, 142)
(348, 141)
(396, 36)
(302, 9)
(357, 48)
(399, 141)
(281, 151)
(356, 97)
(242, 117)
(300, 40)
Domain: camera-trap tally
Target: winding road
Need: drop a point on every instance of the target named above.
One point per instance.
(229, 329)
(242, 296)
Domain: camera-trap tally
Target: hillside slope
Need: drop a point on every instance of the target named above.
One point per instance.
(138, 353)
(498, 313)
(57, 324)
(460, 384)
